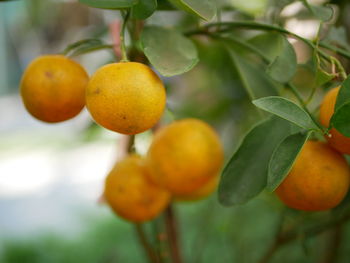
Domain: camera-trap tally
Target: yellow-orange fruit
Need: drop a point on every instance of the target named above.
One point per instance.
(53, 88)
(126, 97)
(184, 156)
(319, 179)
(131, 194)
(335, 139)
(201, 193)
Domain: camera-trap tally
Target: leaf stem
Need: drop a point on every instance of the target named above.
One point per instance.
(122, 37)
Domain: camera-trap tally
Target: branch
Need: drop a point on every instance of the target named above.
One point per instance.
(152, 256)
(171, 226)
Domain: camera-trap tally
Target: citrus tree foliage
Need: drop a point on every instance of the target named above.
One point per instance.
(265, 63)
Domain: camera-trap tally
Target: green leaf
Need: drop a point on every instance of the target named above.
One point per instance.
(168, 50)
(283, 159)
(324, 13)
(165, 5)
(205, 9)
(344, 94)
(341, 117)
(110, 4)
(85, 46)
(245, 175)
(143, 9)
(252, 76)
(322, 77)
(337, 36)
(287, 110)
(283, 68)
(268, 44)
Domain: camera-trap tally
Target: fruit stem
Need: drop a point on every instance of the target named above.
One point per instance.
(172, 231)
(122, 36)
(145, 244)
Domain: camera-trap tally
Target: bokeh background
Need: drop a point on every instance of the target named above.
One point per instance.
(51, 176)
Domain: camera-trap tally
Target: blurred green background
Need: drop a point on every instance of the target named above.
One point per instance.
(51, 176)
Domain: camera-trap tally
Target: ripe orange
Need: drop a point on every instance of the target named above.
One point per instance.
(335, 139)
(201, 193)
(53, 88)
(184, 156)
(126, 97)
(319, 179)
(131, 194)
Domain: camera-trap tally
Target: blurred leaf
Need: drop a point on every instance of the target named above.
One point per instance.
(143, 9)
(344, 94)
(338, 36)
(205, 9)
(250, 74)
(283, 159)
(341, 117)
(343, 207)
(287, 110)
(283, 68)
(165, 5)
(168, 50)
(268, 44)
(323, 77)
(109, 4)
(245, 175)
(85, 46)
(324, 13)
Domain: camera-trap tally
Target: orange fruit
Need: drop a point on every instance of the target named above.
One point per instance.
(201, 193)
(126, 97)
(53, 88)
(319, 179)
(131, 194)
(184, 156)
(335, 139)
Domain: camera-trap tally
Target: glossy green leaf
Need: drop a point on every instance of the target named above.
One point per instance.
(341, 117)
(250, 74)
(283, 159)
(287, 110)
(245, 175)
(205, 9)
(110, 4)
(324, 13)
(283, 68)
(168, 50)
(143, 9)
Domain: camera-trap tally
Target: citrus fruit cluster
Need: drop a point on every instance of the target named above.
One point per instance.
(125, 97)
(320, 177)
(182, 163)
(184, 159)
